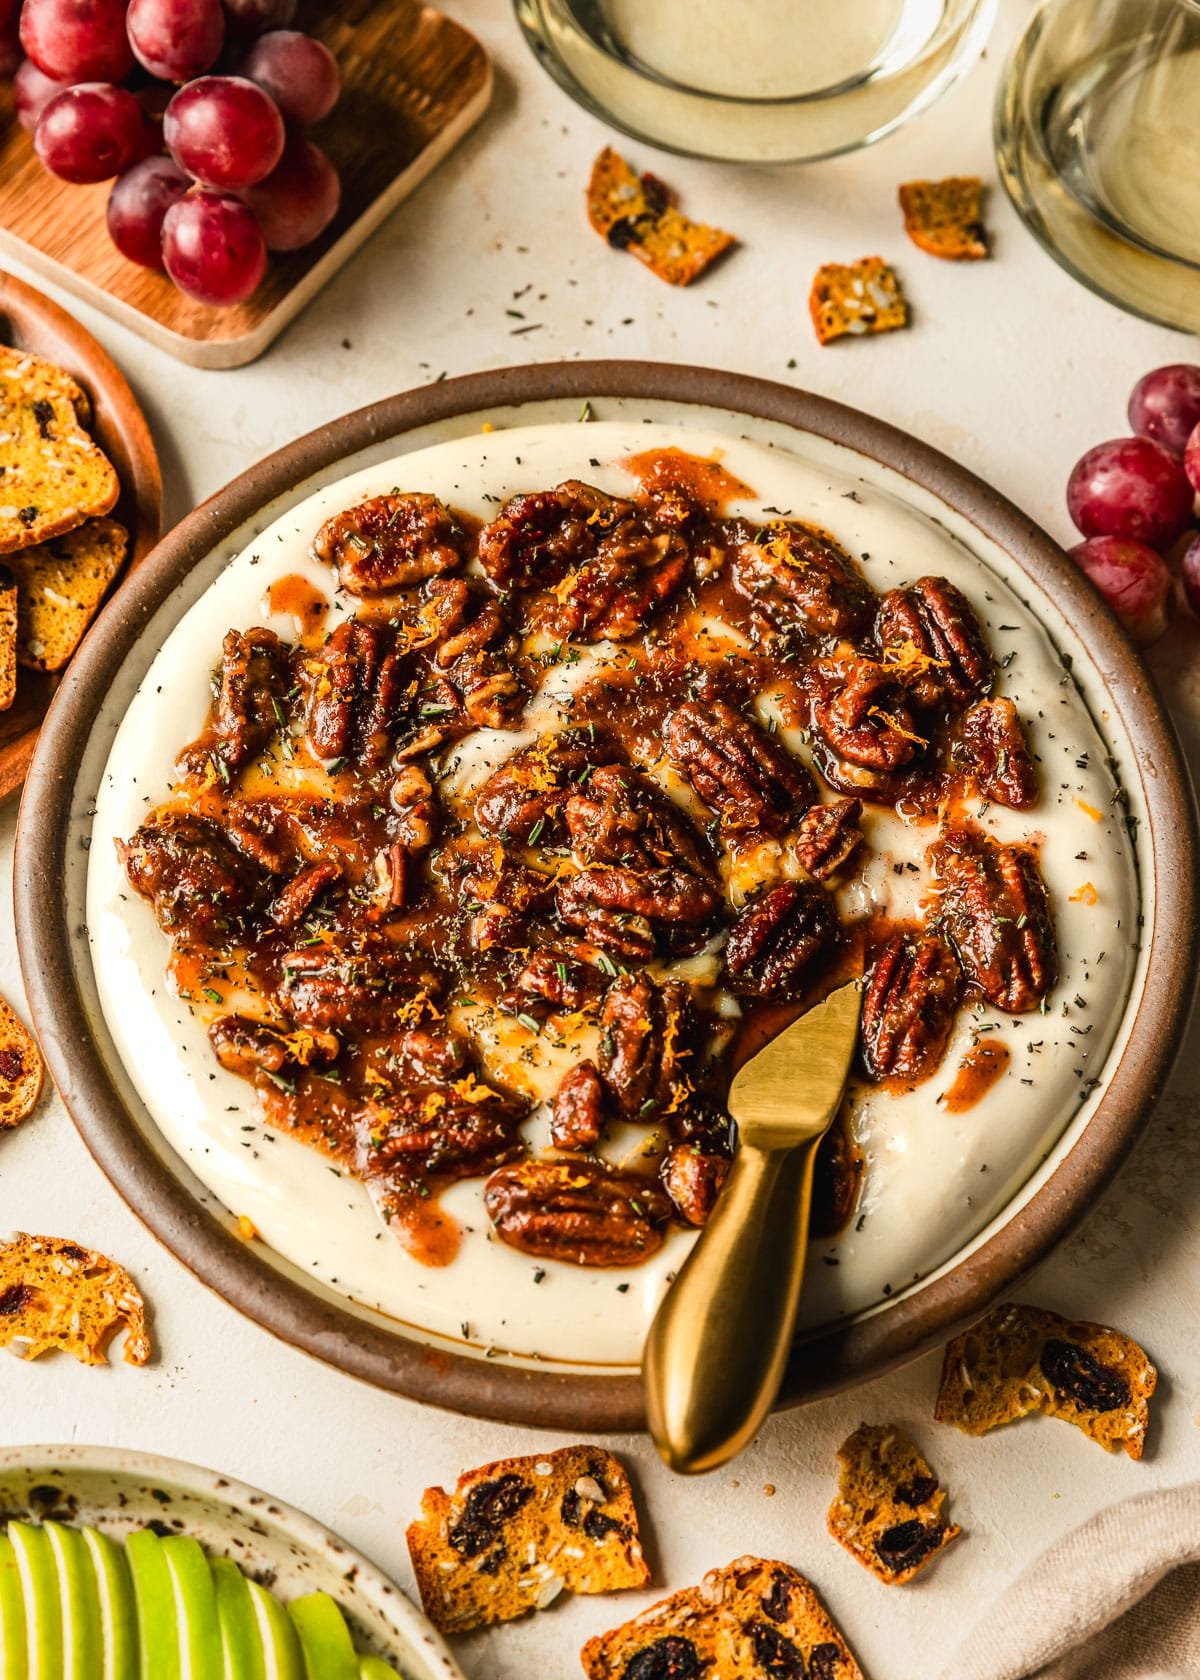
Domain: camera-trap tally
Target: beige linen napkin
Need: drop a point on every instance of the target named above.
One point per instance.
(1117, 1599)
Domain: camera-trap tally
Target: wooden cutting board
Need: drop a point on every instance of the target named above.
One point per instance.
(414, 82)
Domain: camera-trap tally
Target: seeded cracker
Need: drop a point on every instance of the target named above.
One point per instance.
(60, 585)
(37, 378)
(20, 1069)
(753, 1619)
(8, 638)
(1020, 1360)
(513, 1534)
(945, 217)
(55, 1294)
(54, 476)
(634, 213)
(856, 299)
(888, 1512)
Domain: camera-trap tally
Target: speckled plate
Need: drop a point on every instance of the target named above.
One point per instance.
(119, 1491)
(54, 833)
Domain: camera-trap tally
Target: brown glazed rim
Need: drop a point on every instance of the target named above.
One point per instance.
(826, 1361)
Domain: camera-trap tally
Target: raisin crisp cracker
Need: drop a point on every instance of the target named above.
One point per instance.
(21, 1069)
(634, 213)
(60, 585)
(751, 1620)
(56, 1294)
(945, 218)
(855, 299)
(55, 477)
(513, 1534)
(1022, 1359)
(8, 638)
(888, 1512)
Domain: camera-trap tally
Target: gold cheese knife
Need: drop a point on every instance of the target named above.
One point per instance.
(716, 1351)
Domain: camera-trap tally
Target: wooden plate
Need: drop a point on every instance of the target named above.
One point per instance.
(51, 884)
(29, 321)
(413, 83)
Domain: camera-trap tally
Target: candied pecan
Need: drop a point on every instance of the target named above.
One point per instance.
(363, 987)
(389, 880)
(577, 1119)
(302, 891)
(253, 678)
(619, 931)
(990, 745)
(356, 694)
(621, 817)
(828, 837)
(487, 1507)
(994, 910)
(933, 643)
(647, 1039)
(411, 796)
(736, 767)
(802, 579)
(634, 569)
(476, 653)
(908, 1008)
(577, 1211)
(524, 798)
(777, 936)
(837, 1174)
(433, 1130)
(555, 979)
(427, 1054)
(246, 1047)
(672, 1658)
(1075, 1374)
(863, 717)
(536, 537)
(907, 1543)
(387, 542)
(612, 906)
(693, 1181)
(492, 877)
(258, 830)
(202, 890)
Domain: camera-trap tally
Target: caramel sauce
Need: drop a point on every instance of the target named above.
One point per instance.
(425, 1230)
(294, 594)
(701, 478)
(978, 1071)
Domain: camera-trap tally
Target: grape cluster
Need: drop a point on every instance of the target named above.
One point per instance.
(1134, 499)
(197, 107)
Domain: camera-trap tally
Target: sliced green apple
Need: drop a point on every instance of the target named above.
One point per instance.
(39, 1594)
(374, 1668)
(14, 1659)
(118, 1609)
(154, 1595)
(283, 1658)
(79, 1603)
(200, 1655)
(241, 1643)
(329, 1652)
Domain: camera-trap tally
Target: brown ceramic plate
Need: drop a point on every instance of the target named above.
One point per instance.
(51, 877)
(29, 321)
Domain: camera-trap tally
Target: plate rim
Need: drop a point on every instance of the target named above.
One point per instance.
(824, 1362)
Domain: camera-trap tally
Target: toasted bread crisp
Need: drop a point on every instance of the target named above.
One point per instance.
(752, 1620)
(60, 585)
(8, 638)
(55, 1294)
(945, 218)
(888, 1512)
(39, 378)
(54, 476)
(20, 1069)
(513, 1534)
(1019, 1360)
(635, 213)
(855, 299)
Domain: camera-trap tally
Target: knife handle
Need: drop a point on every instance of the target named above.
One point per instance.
(718, 1345)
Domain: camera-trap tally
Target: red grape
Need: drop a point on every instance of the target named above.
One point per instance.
(137, 205)
(1191, 460)
(244, 19)
(176, 39)
(224, 131)
(1133, 579)
(213, 248)
(91, 132)
(11, 54)
(1129, 487)
(77, 40)
(1165, 405)
(298, 199)
(1189, 576)
(32, 91)
(299, 73)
